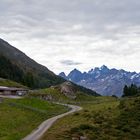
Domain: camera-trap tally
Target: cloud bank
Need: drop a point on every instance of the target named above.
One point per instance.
(66, 34)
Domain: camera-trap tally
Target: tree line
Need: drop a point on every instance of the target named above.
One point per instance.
(13, 72)
(131, 90)
(30, 78)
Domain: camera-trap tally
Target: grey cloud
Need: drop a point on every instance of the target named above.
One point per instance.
(95, 15)
(70, 62)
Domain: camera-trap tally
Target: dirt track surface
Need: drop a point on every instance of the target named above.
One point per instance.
(42, 128)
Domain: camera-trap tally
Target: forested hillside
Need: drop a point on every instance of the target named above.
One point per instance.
(16, 66)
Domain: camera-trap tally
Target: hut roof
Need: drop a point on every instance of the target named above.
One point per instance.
(11, 89)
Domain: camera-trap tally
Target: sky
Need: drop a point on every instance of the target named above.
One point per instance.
(68, 34)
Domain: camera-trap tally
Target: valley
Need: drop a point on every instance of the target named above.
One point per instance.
(69, 70)
(101, 118)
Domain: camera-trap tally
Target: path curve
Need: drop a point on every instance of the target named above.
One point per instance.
(43, 127)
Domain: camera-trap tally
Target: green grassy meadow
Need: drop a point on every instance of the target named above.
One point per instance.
(18, 117)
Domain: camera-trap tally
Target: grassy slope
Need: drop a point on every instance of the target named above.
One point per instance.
(9, 83)
(57, 96)
(19, 117)
(104, 119)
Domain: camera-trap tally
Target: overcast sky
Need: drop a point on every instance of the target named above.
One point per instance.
(68, 34)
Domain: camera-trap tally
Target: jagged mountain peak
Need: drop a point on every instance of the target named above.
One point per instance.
(63, 75)
(103, 67)
(75, 71)
(74, 75)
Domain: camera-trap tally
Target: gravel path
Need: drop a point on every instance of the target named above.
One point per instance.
(37, 133)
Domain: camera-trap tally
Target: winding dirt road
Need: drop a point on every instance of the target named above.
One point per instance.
(37, 133)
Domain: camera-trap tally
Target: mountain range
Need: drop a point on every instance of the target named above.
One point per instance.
(103, 80)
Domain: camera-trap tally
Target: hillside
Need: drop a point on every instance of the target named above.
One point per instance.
(9, 83)
(104, 80)
(105, 118)
(18, 67)
(71, 88)
(65, 92)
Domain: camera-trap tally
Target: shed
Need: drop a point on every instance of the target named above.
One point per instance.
(12, 91)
